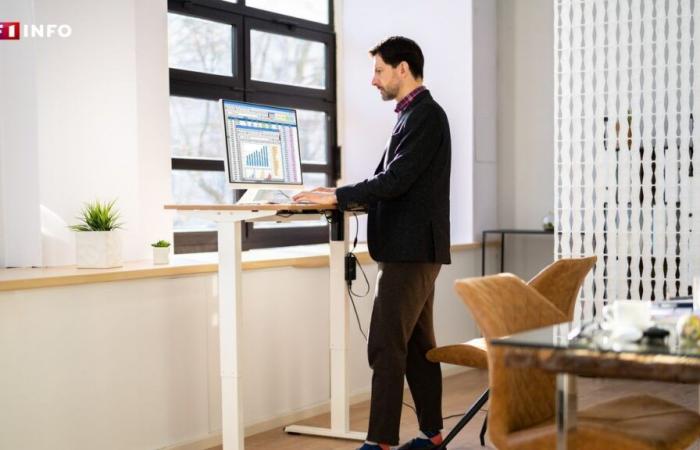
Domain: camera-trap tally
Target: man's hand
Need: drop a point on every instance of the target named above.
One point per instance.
(320, 196)
(328, 190)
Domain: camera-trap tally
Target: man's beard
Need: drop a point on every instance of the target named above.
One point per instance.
(387, 94)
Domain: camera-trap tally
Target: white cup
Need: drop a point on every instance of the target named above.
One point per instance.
(696, 293)
(628, 313)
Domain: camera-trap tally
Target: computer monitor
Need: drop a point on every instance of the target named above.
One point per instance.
(262, 146)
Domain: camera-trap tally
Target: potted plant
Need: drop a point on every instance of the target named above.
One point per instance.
(97, 241)
(161, 252)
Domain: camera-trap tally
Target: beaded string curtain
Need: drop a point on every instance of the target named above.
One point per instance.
(625, 90)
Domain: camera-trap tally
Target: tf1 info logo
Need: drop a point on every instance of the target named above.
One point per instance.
(12, 31)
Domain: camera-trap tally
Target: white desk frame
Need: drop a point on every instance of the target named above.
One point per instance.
(228, 219)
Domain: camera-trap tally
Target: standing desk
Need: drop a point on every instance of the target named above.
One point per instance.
(228, 219)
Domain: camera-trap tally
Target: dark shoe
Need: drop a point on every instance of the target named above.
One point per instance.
(367, 446)
(422, 444)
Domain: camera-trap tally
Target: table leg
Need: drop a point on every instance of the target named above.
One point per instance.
(229, 238)
(339, 326)
(339, 314)
(566, 405)
(503, 250)
(483, 253)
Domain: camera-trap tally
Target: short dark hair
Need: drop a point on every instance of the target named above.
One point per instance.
(395, 49)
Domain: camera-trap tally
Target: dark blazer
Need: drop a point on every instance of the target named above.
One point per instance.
(408, 198)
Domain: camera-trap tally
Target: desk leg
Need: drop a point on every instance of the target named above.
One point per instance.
(503, 251)
(339, 325)
(483, 253)
(339, 316)
(566, 406)
(229, 334)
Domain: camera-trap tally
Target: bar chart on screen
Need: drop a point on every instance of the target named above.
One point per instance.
(262, 161)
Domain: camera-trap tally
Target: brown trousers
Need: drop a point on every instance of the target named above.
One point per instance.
(401, 332)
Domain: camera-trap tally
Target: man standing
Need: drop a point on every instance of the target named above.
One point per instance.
(408, 234)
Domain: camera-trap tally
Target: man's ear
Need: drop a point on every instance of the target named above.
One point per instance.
(403, 68)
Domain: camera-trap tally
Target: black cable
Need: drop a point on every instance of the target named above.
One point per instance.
(364, 275)
(411, 407)
(348, 283)
(357, 316)
(357, 232)
(452, 416)
(351, 252)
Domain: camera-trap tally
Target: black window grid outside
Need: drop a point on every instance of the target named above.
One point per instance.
(241, 87)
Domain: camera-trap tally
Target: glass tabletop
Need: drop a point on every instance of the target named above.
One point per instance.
(594, 336)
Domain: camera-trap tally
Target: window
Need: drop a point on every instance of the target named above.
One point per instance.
(275, 52)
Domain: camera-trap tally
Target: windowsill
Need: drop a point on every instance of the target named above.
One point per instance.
(304, 256)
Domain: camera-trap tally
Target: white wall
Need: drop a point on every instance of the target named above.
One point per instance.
(485, 80)
(19, 152)
(367, 122)
(2, 216)
(134, 364)
(2, 181)
(525, 128)
(90, 121)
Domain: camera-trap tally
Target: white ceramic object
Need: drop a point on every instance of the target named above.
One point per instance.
(626, 333)
(98, 249)
(161, 255)
(628, 313)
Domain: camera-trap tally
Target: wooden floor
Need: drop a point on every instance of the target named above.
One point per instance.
(459, 392)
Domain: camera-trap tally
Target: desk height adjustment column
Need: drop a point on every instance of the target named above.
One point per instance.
(339, 326)
(229, 238)
(337, 228)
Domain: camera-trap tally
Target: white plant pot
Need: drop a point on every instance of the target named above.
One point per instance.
(98, 249)
(161, 255)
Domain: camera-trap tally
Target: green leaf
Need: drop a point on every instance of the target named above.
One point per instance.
(98, 216)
